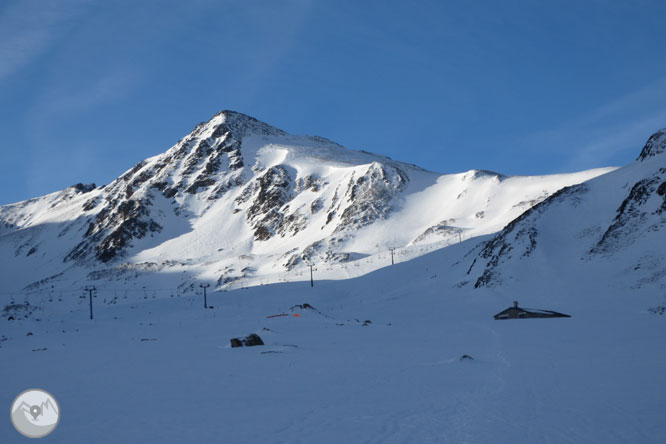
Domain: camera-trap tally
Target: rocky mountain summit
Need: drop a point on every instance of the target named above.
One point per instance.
(238, 199)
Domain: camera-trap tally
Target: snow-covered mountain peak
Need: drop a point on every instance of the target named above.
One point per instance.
(239, 124)
(656, 145)
(238, 200)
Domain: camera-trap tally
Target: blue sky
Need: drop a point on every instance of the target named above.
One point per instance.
(89, 88)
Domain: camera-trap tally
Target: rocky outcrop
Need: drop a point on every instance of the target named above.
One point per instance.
(271, 192)
(442, 231)
(370, 195)
(655, 146)
(646, 198)
(640, 216)
(114, 228)
(518, 239)
(208, 161)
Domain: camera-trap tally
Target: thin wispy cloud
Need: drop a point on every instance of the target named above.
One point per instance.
(609, 142)
(270, 43)
(614, 130)
(109, 87)
(28, 28)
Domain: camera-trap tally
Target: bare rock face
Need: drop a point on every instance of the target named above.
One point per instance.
(442, 230)
(517, 240)
(370, 195)
(83, 188)
(242, 199)
(640, 215)
(113, 229)
(646, 199)
(208, 162)
(273, 191)
(655, 146)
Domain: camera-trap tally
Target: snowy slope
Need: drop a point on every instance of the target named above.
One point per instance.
(238, 202)
(162, 371)
(378, 357)
(608, 229)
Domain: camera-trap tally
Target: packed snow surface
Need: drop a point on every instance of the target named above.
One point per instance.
(162, 370)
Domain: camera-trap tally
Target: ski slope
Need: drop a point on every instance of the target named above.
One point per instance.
(162, 370)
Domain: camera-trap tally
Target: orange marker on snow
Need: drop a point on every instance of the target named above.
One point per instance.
(296, 315)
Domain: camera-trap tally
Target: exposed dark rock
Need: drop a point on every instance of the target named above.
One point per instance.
(658, 310)
(200, 183)
(521, 234)
(654, 146)
(476, 174)
(310, 183)
(249, 341)
(311, 250)
(125, 215)
(442, 230)
(133, 225)
(84, 188)
(14, 310)
(292, 224)
(273, 191)
(662, 189)
(370, 196)
(90, 204)
(302, 307)
(531, 234)
(631, 214)
(294, 260)
(466, 358)
(316, 205)
(114, 228)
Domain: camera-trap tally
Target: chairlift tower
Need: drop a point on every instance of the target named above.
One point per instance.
(204, 286)
(392, 250)
(90, 290)
(311, 274)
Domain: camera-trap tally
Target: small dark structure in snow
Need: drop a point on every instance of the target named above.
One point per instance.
(516, 312)
(302, 307)
(249, 341)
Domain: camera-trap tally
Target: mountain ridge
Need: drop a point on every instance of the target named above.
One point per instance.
(235, 188)
(614, 220)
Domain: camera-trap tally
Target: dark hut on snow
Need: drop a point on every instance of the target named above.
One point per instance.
(517, 312)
